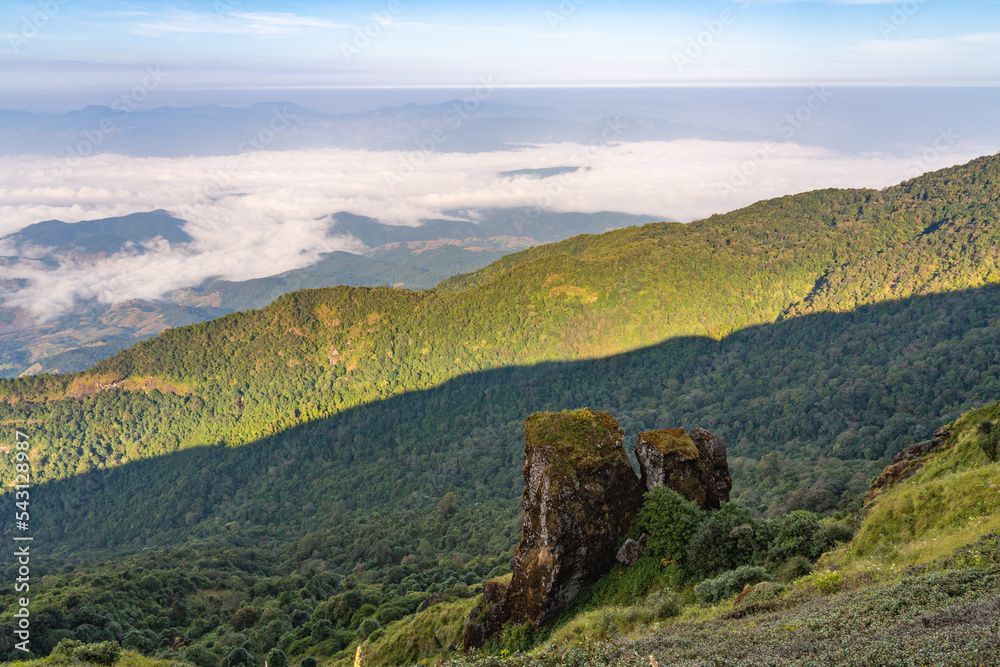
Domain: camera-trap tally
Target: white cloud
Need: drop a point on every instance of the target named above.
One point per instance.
(262, 213)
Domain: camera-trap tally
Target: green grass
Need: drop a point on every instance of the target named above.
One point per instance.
(952, 501)
(423, 638)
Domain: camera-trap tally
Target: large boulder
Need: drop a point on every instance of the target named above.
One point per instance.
(692, 464)
(580, 498)
(631, 551)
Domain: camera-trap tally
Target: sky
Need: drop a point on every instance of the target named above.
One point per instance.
(60, 45)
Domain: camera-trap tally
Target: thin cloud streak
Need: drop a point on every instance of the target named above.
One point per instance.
(236, 23)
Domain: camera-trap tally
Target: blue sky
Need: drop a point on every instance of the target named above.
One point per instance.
(49, 45)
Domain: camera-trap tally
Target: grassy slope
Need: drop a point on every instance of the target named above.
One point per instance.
(952, 501)
(919, 584)
(128, 659)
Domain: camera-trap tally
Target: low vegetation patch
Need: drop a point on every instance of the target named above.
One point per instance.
(942, 613)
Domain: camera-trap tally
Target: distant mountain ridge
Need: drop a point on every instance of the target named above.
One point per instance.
(109, 235)
(215, 130)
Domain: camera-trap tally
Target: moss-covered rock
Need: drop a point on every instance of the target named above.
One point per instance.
(580, 498)
(692, 464)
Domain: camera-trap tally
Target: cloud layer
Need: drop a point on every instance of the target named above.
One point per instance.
(263, 213)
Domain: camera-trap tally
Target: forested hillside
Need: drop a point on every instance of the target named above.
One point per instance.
(317, 353)
(376, 433)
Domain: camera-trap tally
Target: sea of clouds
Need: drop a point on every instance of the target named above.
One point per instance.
(261, 213)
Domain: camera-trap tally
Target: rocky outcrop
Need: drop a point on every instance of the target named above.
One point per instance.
(905, 464)
(692, 464)
(580, 497)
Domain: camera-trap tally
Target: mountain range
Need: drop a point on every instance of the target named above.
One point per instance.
(897, 120)
(466, 127)
(278, 477)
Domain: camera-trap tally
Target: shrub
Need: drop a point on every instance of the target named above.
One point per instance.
(239, 656)
(797, 566)
(64, 649)
(988, 438)
(368, 626)
(828, 582)
(762, 592)
(516, 638)
(137, 641)
(308, 661)
(388, 613)
(245, 618)
(321, 630)
(341, 639)
(713, 548)
(167, 653)
(286, 641)
(353, 599)
(670, 521)
(277, 658)
(103, 653)
(198, 655)
(459, 590)
(664, 605)
(624, 585)
(151, 584)
(798, 533)
(730, 583)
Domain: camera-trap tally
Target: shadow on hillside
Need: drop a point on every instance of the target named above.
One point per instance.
(849, 386)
